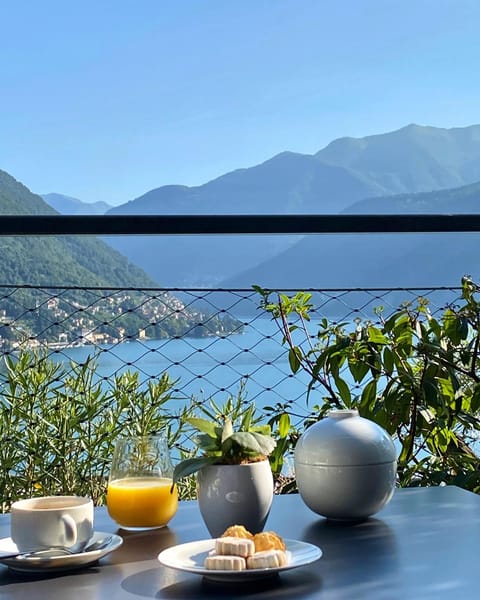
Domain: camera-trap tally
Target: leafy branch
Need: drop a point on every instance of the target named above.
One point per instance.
(417, 376)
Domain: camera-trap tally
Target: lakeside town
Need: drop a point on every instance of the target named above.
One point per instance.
(61, 321)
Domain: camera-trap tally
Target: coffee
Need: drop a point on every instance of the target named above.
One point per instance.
(53, 502)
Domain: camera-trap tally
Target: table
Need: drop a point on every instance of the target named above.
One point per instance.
(425, 544)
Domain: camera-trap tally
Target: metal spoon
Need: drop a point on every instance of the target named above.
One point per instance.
(57, 552)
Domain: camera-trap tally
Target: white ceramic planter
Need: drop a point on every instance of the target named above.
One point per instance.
(345, 466)
(235, 495)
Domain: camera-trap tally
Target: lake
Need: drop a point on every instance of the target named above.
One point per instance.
(208, 367)
(214, 366)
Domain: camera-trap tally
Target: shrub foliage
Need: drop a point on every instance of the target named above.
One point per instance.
(418, 377)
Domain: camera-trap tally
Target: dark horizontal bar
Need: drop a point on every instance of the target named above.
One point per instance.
(233, 224)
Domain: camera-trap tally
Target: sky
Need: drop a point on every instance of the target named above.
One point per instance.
(108, 99)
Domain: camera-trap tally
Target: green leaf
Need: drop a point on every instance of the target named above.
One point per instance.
(388, 360)
(454, 325)
(446, 387)
(343, 391)
(441, 438)
(227, 430)
(464, 329)
(376, 336)
(358, 369)
(369, 394)
(475, 401)
(256, 443)
(247, 418)
(294, 358)
(207, 443)
(191, 465)
(284, 425)
(265, 429)
(203, 425)
(226, 446)
(431, 392)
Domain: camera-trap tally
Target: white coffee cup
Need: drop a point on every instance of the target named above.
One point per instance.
(52, 521)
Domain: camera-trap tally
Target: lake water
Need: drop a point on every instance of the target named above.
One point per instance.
(215, 366)
(209, 367)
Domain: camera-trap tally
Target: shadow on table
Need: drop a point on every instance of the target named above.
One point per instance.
(142, 545)
(291, 584)
(361, 554)
(9, 576)
(137, 546)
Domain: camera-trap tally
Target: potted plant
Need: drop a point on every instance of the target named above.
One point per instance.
(234, 476)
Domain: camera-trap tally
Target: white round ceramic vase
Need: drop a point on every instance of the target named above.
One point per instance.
(235, 495)
(345, 466)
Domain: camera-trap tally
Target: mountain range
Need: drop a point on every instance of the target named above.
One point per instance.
(380, 260)
(414, 169)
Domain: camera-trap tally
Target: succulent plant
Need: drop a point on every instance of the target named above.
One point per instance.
(230, 435)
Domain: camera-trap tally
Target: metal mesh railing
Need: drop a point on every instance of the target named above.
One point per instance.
(208, 341)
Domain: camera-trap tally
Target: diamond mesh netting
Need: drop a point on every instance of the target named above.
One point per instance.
(208, 341)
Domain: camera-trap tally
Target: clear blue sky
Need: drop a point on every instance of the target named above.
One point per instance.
(107, 99)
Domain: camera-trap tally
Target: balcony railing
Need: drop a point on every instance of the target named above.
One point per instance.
(235, 224)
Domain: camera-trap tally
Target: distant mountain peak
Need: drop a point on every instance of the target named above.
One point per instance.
(415, 158)
(67, 205)
(414, 126)
(411, 128)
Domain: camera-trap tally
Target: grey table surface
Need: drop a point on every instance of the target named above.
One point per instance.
(424, 544)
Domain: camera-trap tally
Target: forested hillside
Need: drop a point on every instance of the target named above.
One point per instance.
(79, 262)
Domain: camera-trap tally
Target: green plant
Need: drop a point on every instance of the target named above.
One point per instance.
(58, 425)
(417, 375)
(227, 434)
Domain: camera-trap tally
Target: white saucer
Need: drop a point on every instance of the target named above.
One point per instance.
(56, 563)
(190, 557)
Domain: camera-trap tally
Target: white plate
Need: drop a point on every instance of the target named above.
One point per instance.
(56, 563)
(190, 557)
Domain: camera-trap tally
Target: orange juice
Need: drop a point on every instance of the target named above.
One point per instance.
(142, 501)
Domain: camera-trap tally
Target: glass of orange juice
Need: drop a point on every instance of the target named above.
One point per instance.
(140, 494)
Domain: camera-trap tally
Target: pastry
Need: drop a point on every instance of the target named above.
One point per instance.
(267, 559)
(237, 549)
(238, 531)
(268, 540)
(234, 546)
(217, 562)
